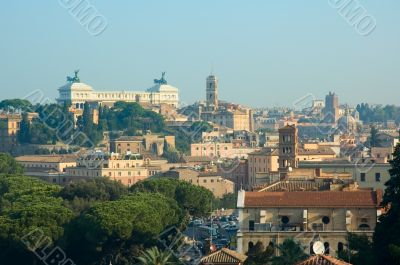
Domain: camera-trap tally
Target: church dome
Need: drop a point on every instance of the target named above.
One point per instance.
(347, 122)
(76, 87)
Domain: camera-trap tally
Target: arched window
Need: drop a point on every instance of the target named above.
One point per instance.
(364, 227)
(340, 246)
(271, 244)
(326, 245)
(250, 245)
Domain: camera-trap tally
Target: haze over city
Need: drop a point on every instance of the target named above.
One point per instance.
(200, 132)
(255, 48)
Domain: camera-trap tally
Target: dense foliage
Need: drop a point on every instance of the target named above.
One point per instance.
(378, 113)
(56, 124)
(120, 228)
(359, 250)
(387, 232)
(8, 165)
(291, 252)
(29, 206)
(154, 256)
(228, 201)
(16, 104)
(94, 221)
(194, 200)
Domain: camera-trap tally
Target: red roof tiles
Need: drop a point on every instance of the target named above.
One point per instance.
(322, 260)
(332, 199)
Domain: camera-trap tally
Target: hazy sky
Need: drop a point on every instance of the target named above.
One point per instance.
(265, 53)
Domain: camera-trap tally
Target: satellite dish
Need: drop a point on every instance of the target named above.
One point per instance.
(319, 248)
(290, 169)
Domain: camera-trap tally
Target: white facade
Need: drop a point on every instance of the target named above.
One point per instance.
(79, 93)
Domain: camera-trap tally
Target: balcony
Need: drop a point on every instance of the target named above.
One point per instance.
(299, 227)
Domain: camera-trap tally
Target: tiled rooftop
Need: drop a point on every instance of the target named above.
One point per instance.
(297, 185)
(224, 256)
(322, 260)
(333, 199)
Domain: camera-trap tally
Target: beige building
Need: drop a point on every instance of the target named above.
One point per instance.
(315, 152)
(56, 162)
(209, 180)
(261, 163)
(267, 163)
(9, 128)
(225, 114)
(382, 154)
(126, 169)
(220, 150)
(138, 144)
(367, 173)
(307, 216)
(50, 168)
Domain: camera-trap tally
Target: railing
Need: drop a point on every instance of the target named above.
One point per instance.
(267, 227)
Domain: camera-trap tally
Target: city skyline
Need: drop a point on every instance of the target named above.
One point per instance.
(313, 50)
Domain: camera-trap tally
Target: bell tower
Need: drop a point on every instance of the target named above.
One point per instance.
(212, 93)
(288, 149)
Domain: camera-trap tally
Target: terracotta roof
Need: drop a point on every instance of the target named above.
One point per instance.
(322, 150)
(48, 158)
(224, 256)
(332, 199)
(323, 260)
(128, 139)
(196, 159)
(266, 151)
(297, 185)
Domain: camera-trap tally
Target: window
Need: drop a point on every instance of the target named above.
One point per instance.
(326, 220)
(285, 219)
(251, 225)
(317, 227)
(340, 246)
(364, 227)
(250, 245)
(204, 181)
(378, 177)
(362, 177)
(326, 245)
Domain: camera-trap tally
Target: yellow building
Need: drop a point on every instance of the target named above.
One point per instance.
(138, 144)
(261, 163)
(268, 163)
(126, 169)
(209, 180)
(9, 128)
(307, 216)
(50, 168)
(225, 114)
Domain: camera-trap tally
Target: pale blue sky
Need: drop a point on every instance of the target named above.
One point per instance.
(265, 53)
